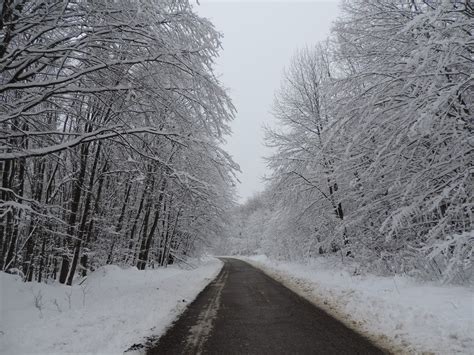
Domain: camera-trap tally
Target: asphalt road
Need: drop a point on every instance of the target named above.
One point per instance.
(244, 311)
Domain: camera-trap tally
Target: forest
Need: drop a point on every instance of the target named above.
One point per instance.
(373, 154)
(111, 127)
(123, 224)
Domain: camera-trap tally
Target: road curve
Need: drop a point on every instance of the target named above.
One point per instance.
(244, 311)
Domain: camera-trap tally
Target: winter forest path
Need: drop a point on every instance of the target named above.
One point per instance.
(244, 311)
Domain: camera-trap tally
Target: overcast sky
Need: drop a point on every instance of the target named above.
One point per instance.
(259, 41)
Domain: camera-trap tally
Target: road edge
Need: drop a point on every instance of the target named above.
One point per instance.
(148, 341)
(294, 284)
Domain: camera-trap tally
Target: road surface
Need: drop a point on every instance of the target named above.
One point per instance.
(244, 311)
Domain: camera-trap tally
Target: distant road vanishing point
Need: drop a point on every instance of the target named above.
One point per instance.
(244, 311)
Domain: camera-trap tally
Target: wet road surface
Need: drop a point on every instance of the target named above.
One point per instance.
(244, 311)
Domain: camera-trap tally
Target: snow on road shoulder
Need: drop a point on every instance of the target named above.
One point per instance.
(399, 313)
(113, 309)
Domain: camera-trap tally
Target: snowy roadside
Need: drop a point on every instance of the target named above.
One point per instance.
(113, 309)
(398, 313)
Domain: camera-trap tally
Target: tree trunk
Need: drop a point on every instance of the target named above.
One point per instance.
(5, 197)
(135, 221)
(42, 257)
(76, 198)
(118, 226)
(85, 215)
(141, 263)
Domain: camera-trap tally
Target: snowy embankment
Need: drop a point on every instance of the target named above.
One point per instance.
(113, 309)
(398, 313)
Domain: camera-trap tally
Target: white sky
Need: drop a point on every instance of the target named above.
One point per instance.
(259, 41)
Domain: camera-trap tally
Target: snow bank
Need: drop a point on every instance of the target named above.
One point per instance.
(397, 312)
(109, 312)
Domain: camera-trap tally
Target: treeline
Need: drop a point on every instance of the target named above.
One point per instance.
(111, 122)
(374, 152)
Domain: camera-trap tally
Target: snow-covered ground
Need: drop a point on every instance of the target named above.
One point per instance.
(109, 312)
(397, 312)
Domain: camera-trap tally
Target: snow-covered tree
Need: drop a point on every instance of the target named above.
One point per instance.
(111, 122)
(374, 156)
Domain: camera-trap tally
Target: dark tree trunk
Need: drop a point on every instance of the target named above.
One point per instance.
(85, 215)
(11, 221)
(135, 221)
(141, 263)
(118, 226)
(42, 257)
(28, 258)
(171, 238)
(5, 197)
(76, 198)
(145, 252)
(64, 268)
